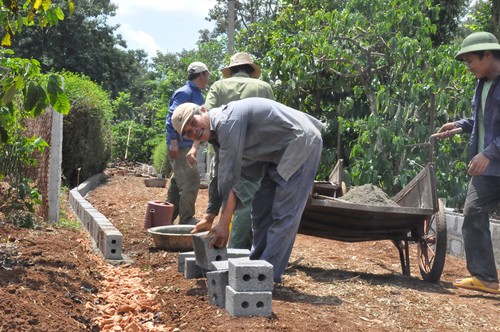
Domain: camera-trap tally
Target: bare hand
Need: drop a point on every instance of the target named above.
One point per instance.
(204, 224)
(191, 156)
(478, 165)
(220, 236)
(444, 131)
(173, 150)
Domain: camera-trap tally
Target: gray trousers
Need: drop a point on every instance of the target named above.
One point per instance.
(482, 197)
(277, 210)
(184, 187)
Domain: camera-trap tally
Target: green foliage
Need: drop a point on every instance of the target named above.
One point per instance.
(15, 157)
(133, 141)
(15, 16)
(85, 43)
(480, 17)
(17, 192)
(25, 92)
(160, 159)
(374, 66)
(22, 218)
(87, 130)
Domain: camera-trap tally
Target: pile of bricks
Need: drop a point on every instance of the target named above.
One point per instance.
(240, 285)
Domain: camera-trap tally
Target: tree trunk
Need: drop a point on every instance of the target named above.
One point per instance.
(495, 16)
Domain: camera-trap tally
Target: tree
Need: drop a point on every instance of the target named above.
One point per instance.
(24, 91)
(447, 21)
(369, 68)
(247, 12)
(15, 16)
(85, 43)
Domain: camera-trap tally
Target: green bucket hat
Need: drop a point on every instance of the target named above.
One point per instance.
(478, 41)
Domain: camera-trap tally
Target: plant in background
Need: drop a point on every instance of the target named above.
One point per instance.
(87, 129)
(24, 93)
(160, 159)
(133, 141)
(18, 193)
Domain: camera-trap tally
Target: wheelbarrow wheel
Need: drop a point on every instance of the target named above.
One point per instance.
(432, 250)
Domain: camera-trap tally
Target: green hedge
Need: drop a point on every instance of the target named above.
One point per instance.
(86, 130)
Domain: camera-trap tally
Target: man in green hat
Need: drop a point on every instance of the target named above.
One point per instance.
(480, 52)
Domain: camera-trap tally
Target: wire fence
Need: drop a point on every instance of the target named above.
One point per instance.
(12, 159)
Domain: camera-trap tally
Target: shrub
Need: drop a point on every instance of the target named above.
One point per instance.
(160, 159)
(137, 146)
(87, 133)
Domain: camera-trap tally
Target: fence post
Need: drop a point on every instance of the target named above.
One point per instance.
(55, 160)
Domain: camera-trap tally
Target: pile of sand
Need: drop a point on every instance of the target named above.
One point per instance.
(368, 194)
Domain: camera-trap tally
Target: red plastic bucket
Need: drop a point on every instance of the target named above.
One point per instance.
(158, 214)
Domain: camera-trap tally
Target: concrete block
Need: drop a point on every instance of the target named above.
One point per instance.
(237, 253)
(84, 206)
(250, 275)
(456, 247)
(248, 303)
(451, 223)
(191, 269)
(224, 265)
(459, 222)
(217, 282)
(181, 258)
(88, 218)
(111, 245)
(495, 239)
(205, 254)
(98, 222)
(219, 266)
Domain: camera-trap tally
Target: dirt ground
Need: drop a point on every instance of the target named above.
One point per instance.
(51, 279)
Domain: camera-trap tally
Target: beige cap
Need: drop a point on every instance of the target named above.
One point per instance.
(197, 67)
(181, 116)
(239, 59)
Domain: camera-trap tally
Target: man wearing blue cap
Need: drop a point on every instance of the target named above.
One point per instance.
(185, 180)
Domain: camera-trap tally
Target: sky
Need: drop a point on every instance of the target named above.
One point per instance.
(161, 25)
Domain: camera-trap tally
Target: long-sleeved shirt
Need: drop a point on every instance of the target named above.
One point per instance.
(187, 93)
(237, 87)
(254, 132)
(222, 92)
(491, 126)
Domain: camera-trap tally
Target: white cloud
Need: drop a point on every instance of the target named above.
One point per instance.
(138, 39)
(161, 25)
(197, 7)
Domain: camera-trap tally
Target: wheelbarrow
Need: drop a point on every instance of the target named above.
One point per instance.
(419, 218)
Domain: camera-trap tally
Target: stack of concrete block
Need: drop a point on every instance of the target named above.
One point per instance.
(195, 271)
(242, 286)
(249, 292)
(217, 280)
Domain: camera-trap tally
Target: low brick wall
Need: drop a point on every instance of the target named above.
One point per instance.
(455, 246)
(107, 238)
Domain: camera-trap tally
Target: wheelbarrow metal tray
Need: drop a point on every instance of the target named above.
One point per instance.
(340, 220)
(337, 219)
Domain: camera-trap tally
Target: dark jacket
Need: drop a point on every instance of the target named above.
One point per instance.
(491, 126)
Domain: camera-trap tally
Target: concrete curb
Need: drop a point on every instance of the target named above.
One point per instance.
(107, 238)
(455, 245)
